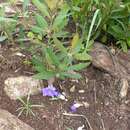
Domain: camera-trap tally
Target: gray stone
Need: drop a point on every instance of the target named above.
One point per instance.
(117, 65)
(21, 86)
(124, 88)
(11, 122)
(102, 59)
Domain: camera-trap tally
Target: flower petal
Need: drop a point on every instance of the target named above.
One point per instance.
(73, 108)
(50, 91)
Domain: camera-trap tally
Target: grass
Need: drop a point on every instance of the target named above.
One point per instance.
(27, 107)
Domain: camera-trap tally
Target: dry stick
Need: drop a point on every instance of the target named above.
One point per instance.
(103, 126)
(102, 122)
(78, 115)
(27, 72)
(95, 95)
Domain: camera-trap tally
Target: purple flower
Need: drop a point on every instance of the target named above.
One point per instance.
(73, 108)
(50, 91)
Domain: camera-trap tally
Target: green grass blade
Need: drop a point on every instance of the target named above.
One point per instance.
(91, 26)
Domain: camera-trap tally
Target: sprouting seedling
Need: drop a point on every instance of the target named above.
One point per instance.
(27, 106)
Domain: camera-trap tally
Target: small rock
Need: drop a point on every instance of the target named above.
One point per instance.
(21, 86)
(127, 101)
(81, 91)
(75, 80)
(19, 54)
(11, 122)
(124, 60)
(85, 104)
(81, 127)
(116, 64)
(124, 88)
(101, 58)
(86, 80)
(63, 97)
(113, 51)
(76, 105)
(72, 89)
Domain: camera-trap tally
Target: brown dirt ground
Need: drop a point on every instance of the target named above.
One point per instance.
(105, 112)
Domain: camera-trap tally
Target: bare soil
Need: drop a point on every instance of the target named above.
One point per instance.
(106, 110)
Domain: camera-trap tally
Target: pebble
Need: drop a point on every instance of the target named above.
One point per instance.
(72, 89)
(81, 91)
(124, 88)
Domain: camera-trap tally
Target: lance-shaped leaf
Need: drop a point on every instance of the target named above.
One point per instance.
(41, 22)
(78, 67)
(59, 45)
(70, 75)
(61, 20)
(44, 75)
(41, 7)
(75, 40)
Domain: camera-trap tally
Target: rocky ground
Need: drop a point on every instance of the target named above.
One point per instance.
(103, 94)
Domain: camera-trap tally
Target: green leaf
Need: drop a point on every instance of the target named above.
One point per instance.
(128, 41)
(75, 40)
(78, 67)
(41, 22)
(76, 8)
(61, 19)
(42, 7)
(52, 58)
(91, 26)
(40, 68)
(78, 47)
(69, 75)
(36, 29)
(63, 67)
(3, 19)
(123, 45)
(82, 56)
(121, 13)
(121, 23)
(52, 4)
(25, 4)
(63, 34)
(116, 31)
(59, 45)
(44, 75)
(31, 35)
(38, 64)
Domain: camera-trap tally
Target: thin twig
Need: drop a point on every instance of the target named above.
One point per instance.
(27, 72)
(95, 95)
(103, 126)
(102, 122)
(78, 115)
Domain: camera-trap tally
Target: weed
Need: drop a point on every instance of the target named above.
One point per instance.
(27, 107)
(55, 58)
